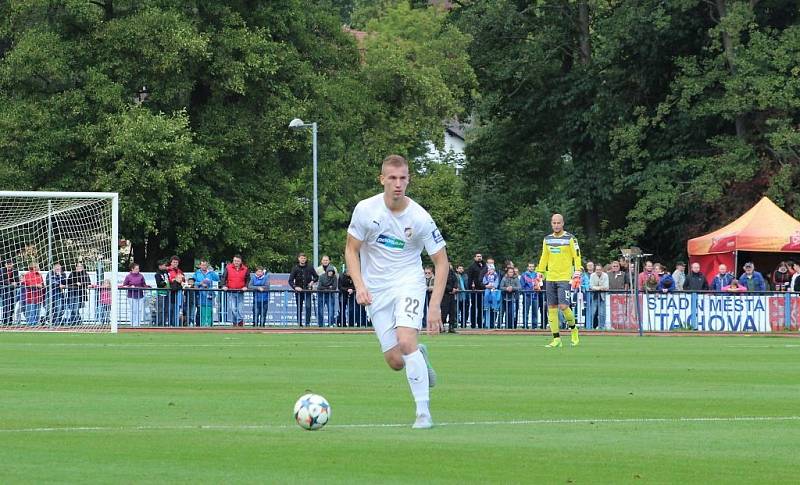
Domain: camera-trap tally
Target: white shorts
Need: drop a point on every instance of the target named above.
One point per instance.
(398, 307)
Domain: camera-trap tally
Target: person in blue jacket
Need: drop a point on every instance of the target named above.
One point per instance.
(751, 279)
(666, 283)
(722, 279)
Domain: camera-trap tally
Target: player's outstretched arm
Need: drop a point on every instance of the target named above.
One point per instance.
(353, 259)
(442, 268)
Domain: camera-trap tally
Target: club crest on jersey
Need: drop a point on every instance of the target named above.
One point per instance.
(408, 232)
(390, 242)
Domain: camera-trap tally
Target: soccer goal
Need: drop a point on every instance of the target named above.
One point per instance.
(42, 230)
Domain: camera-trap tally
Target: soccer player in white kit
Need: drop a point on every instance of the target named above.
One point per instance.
(385, 239)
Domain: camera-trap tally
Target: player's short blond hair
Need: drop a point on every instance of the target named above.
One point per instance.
(394, 161)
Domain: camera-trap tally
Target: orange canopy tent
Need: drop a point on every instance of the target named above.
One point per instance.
(765, 228)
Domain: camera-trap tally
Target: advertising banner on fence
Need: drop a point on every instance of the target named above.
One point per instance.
(712, 313)
(742, 312)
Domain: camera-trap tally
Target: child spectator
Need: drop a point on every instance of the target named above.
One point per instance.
(135, 282)
(510, 289)
(191, 301)
(491, 296)
(665, 283)
(651, 282)
(734, 287)
(104, 302)
(259, 285)
(205, 279)
(325, 292)
(530, 282)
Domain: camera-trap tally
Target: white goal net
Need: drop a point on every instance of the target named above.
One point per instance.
(58, 268)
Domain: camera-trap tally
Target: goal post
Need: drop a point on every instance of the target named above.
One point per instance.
(80, 232)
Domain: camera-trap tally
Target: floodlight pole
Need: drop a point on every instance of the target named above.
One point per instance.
(316, 194)
(296, 124)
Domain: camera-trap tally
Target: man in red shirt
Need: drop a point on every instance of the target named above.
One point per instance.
(173, 269)
(33, 296)
(648, 279)
(234, 280)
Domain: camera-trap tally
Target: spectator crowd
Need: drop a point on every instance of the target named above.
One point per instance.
(481, 295)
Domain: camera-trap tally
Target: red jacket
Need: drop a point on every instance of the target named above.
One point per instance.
(33, 295)
(172, 272)
(235, 279)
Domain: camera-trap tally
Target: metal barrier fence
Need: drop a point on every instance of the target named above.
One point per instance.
(621, 311)
(612, 310)
(270, 308)
(193, 307)
(68, 306)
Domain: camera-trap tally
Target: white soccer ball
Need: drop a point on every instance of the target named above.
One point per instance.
(312, 412)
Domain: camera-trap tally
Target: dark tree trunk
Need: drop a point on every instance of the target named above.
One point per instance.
(730, 58)
(584, 40)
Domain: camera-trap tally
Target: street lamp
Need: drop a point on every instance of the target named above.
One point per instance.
(297, 124)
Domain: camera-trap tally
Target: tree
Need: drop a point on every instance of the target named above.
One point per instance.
(436, 186)
(206, 165)
(653, 120)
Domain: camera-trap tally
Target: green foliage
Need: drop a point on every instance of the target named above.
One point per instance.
(442, 193)
(206, 166)
(683, 115)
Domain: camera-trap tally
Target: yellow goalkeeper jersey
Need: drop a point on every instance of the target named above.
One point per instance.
(561, 257)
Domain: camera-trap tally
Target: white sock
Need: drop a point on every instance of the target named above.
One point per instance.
(417, 373)
(423, 409)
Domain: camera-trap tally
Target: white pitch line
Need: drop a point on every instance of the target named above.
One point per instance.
(222, 345)
(145, 345)
(267, 427)
(788, 346)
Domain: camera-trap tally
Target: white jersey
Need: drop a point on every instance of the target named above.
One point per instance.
(392, 243)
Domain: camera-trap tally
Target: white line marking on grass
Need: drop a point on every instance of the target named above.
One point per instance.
(788, 346)
(187, 345)
(176, 345)
(266, 427)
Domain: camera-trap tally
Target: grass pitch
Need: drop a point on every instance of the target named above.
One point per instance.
(216, 408)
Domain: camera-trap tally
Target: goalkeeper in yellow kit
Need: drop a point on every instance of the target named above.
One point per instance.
(561, 258)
